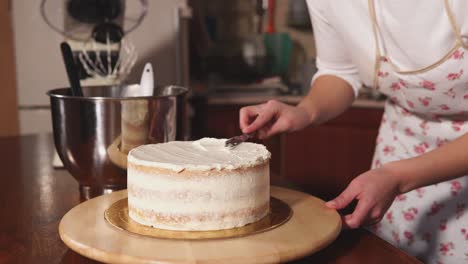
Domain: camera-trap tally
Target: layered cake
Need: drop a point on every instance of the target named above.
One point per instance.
(198, 185)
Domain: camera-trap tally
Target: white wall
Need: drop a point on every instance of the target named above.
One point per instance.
(39, 65)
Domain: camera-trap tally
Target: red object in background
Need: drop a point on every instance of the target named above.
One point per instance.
(271, 17)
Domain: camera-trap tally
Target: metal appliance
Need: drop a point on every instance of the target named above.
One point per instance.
(94, 133)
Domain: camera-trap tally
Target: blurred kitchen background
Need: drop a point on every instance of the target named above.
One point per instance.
(254, 45)
(229, 53)
(240, 48)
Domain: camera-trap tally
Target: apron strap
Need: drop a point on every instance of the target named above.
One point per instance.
(454, 25)
(375, 30)
(376, 43)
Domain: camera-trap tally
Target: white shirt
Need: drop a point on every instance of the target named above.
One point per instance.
(415, 33)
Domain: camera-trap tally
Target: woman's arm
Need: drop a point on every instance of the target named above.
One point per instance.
(444, 163)
(337, 81)
(333, 89)
(328, 97)
(376, 189)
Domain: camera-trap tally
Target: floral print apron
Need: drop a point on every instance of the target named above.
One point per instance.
(426, 109)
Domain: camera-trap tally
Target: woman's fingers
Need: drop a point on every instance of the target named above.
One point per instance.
(271, 118)
(261, 120)
(345, 198)
(355, 219)
(247, 115)
(280, 125)
(362, 209)
(262, 133)
(265, 116)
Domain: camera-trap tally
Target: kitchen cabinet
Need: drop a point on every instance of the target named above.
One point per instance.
(8, 101)
(320, 160)
(324, 159)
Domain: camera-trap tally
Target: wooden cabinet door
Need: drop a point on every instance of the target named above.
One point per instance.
(324, 159)
(8, 99)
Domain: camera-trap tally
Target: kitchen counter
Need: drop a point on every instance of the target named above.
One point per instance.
(37, 196)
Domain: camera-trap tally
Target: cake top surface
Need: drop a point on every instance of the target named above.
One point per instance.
(203, 154)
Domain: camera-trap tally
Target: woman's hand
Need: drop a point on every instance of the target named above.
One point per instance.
(375, 191)
(272, 117)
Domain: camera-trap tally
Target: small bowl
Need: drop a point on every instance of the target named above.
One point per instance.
(94, 133)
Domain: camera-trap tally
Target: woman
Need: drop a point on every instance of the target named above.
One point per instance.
(415, 196)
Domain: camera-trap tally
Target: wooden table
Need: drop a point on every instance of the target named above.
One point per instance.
(35, 196)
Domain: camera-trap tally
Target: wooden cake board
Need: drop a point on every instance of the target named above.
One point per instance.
(311, 227)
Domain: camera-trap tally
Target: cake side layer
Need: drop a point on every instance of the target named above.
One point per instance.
(184, 201)
(201, 155)
(198, 200)
(202, 221)
(184, 175)
(231, 191)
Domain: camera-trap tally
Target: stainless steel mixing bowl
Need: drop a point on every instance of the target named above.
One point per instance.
(94, 133)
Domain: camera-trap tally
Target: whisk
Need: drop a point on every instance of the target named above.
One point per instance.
(98, 32)
(92, 54)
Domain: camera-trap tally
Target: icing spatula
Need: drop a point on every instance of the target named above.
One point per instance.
(234, 141)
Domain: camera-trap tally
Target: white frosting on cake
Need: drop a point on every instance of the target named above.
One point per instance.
(202, 155)
(198, 185)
